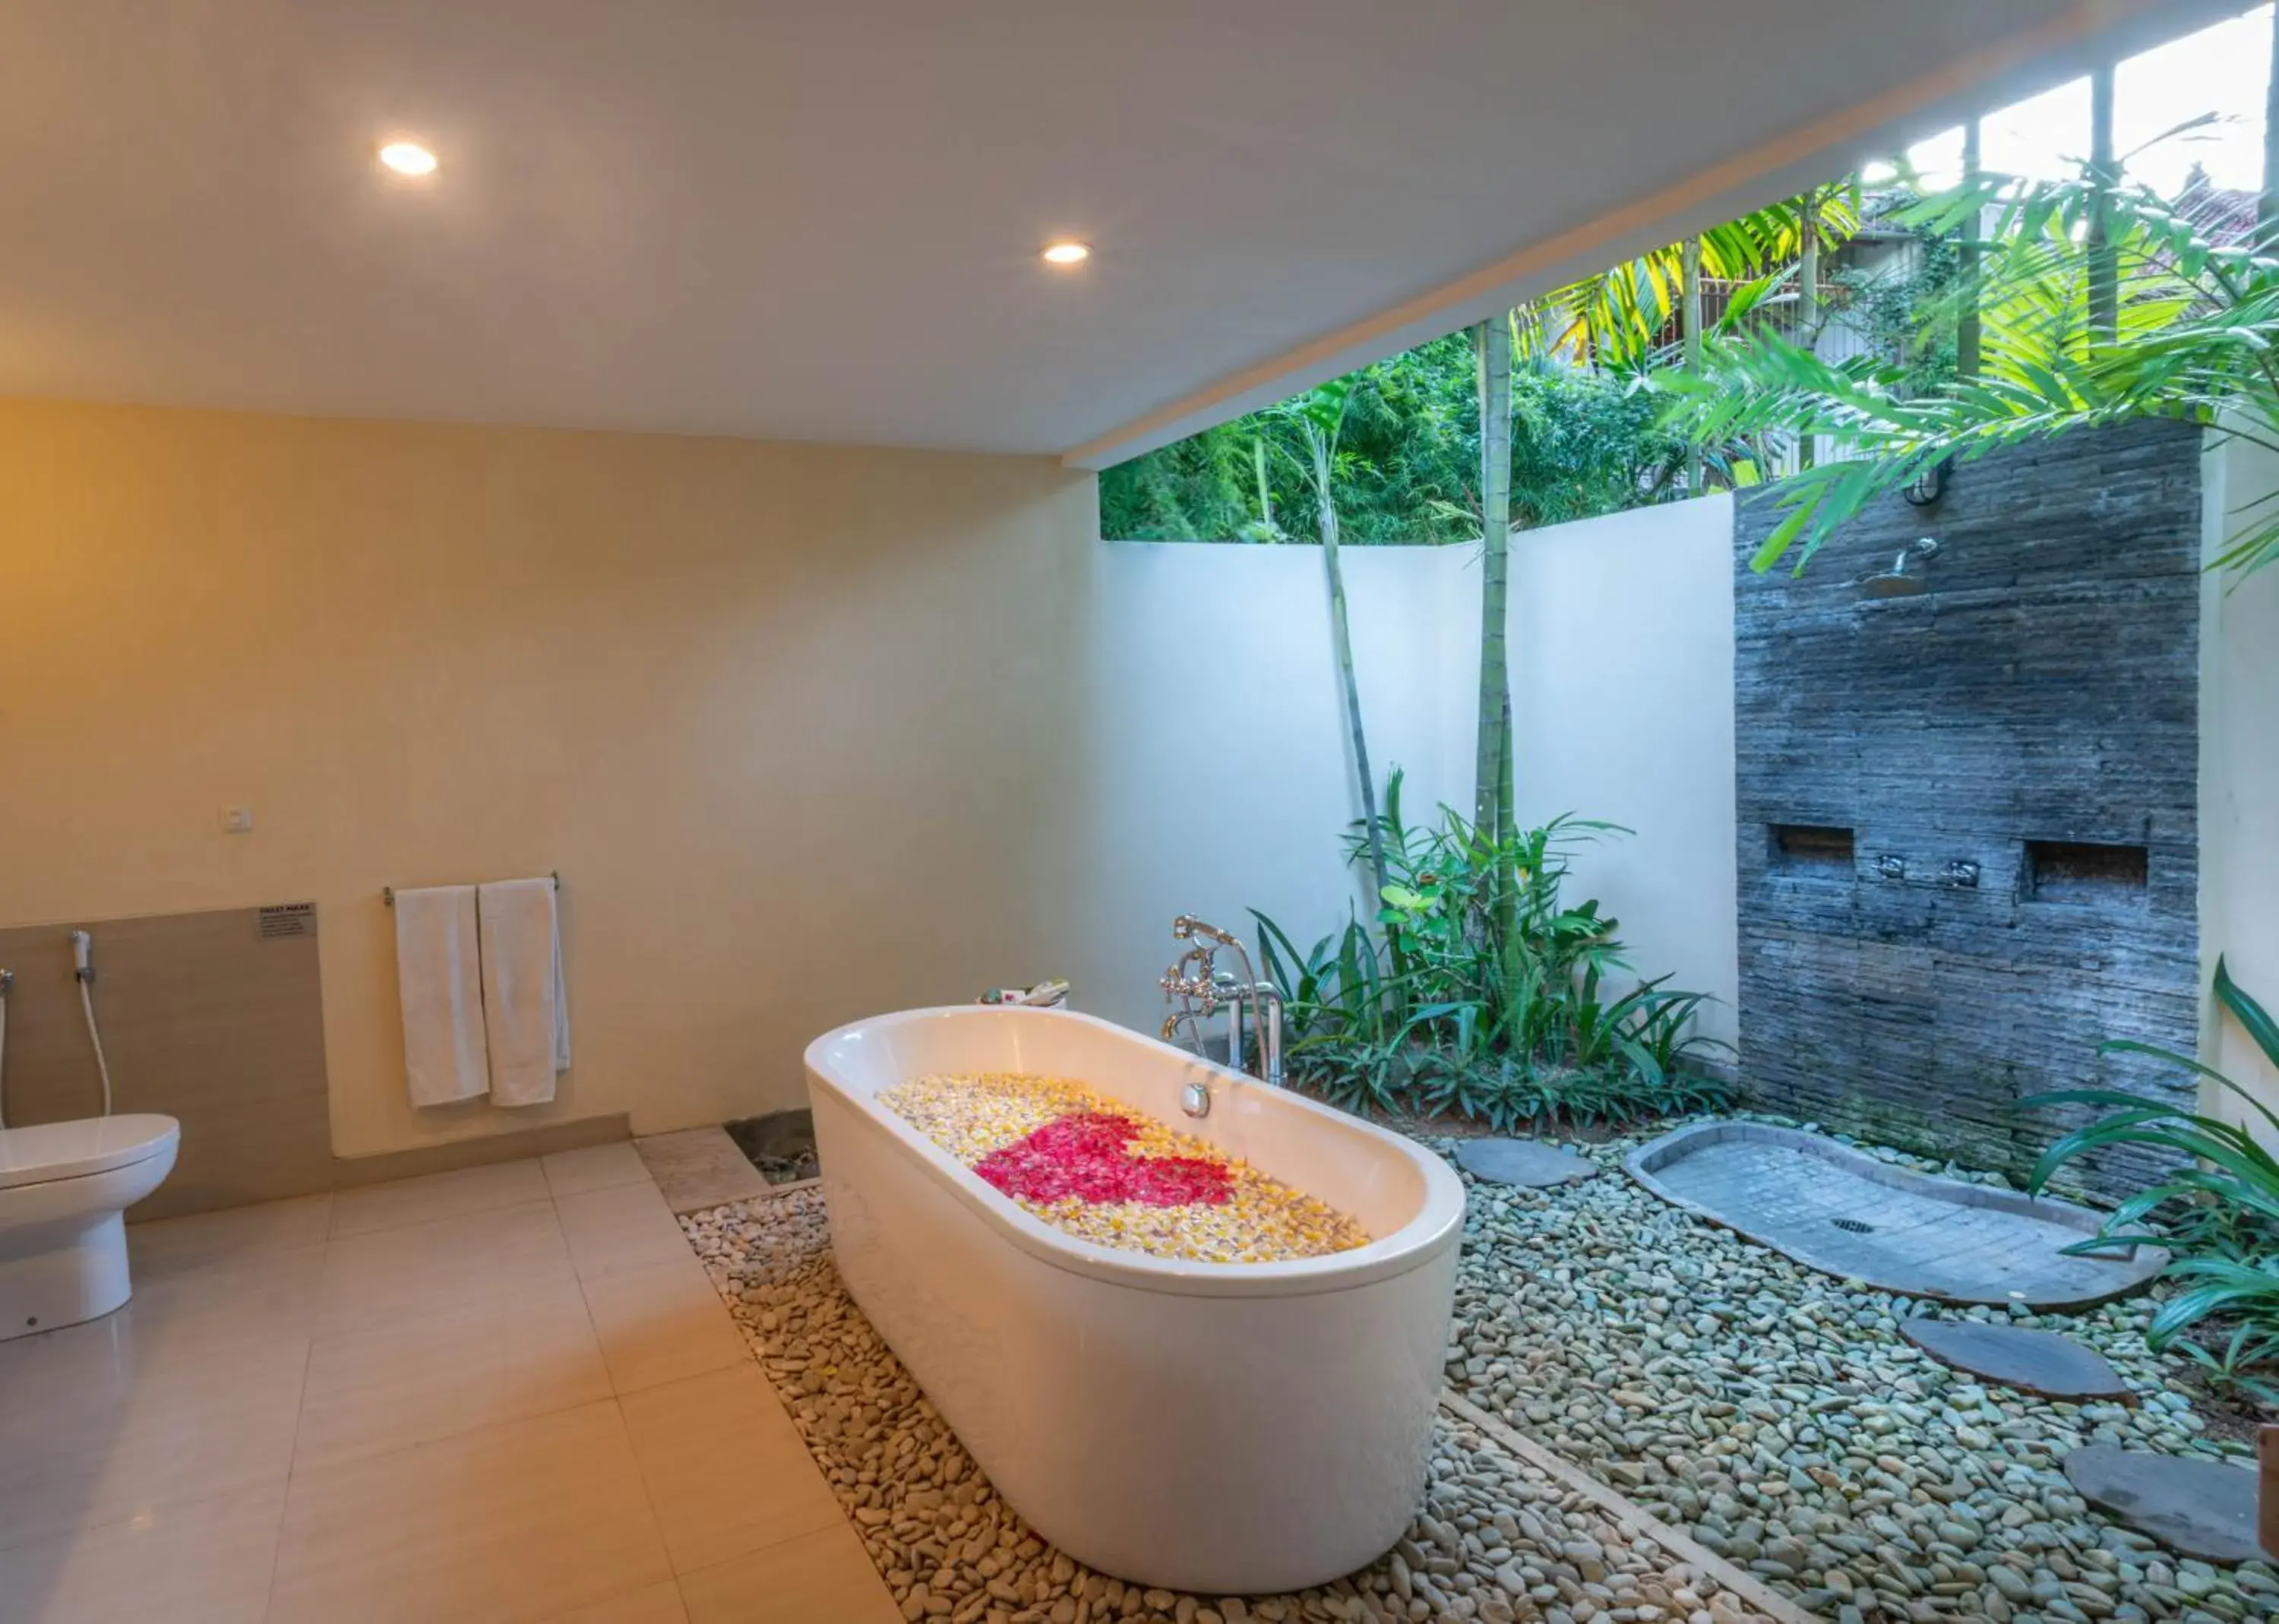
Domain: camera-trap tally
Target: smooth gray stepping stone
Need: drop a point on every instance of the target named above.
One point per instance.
(2196, 1508)
(2032, 1361)
(1839, 1210)
(1522, 1161)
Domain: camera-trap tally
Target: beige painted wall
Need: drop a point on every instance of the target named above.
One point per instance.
(803, 728)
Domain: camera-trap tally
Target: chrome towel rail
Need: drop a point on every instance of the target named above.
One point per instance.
(388, 893)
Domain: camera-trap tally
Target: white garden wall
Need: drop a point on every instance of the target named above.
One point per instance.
(2239, 770)
(1621, 668)
(1222, 780)
(1223, 776)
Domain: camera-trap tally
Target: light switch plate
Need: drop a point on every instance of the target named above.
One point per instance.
(237, 820)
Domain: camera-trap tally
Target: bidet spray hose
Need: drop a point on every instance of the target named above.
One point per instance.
(83, 969)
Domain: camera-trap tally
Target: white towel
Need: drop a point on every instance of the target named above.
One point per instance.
(439, 979)
(524, 1010)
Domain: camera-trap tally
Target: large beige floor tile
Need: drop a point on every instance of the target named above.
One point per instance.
(257, 1296)
(261, 1295)
(102, 1428)
(524, 1521)
(208, 1562)
(662, 1323)
(726, 1471)
(819, 1577)
(170, 1331)
(172, 1247)
(437, 1195)
(652, 1604)
(391, 1275)
(698, 1167)
(623, 1226)
(597, 1167)
(407, 1381)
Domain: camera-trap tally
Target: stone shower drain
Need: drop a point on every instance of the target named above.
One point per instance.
(1908, 1233)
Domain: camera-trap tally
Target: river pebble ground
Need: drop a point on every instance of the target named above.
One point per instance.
(1498, 1541)
(1779, 1415)
(1774, 1414)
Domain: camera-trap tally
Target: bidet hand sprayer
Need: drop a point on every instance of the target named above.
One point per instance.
(83, 972)
(7, 981)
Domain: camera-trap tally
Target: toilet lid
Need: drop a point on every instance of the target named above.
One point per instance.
(53, 1151)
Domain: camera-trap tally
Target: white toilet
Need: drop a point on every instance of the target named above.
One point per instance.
(64, 1189)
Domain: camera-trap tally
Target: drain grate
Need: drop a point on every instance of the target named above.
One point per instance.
(1853, 1226)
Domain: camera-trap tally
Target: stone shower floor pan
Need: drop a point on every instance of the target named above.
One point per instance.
(1846, 1214)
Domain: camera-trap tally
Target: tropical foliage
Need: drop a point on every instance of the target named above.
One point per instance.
(2190, 335)
(1483, 991)
(1901, 312)
(1627, 319)
(1585, 437)
(2217, 1214)
(1582, 444)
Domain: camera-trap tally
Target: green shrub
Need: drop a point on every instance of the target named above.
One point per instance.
(1483, 992)
(2217, 1215)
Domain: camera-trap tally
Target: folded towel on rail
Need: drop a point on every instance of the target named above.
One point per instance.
(526, 1010)
(438, 982)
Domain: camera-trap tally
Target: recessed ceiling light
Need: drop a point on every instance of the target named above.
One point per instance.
(407, 158)
(1067, 253)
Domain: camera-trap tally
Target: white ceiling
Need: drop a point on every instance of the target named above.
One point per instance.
(820, 222)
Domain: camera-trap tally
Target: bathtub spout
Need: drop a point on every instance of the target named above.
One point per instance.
(1266, 998)
(1187, 1018)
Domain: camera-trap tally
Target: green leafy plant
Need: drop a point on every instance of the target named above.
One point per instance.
(2192, 336)
(1625, 318)
(2250, 1350)
(2217, 1214)
(1584, 443)
(1483, 991)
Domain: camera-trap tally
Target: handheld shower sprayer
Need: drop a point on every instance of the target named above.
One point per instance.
(7, 981)
(82, 945)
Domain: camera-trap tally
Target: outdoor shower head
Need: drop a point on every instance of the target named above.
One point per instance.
(1896, 582)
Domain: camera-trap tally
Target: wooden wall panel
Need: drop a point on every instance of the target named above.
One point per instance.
(204, 1018)
(2044, 688)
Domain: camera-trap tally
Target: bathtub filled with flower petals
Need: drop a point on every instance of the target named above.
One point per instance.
(1210, 1427)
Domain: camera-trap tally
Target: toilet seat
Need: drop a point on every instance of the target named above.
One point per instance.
(50, 1151)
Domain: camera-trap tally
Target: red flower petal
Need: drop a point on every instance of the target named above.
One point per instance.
(1086, 1155)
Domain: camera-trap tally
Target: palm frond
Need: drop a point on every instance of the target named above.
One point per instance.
(2197, 340)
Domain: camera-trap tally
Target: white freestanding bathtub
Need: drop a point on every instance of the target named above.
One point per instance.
(1226, 1428)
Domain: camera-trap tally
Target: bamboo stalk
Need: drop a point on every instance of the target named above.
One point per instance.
(1967, 329)
(2266, 208)
(2104, 258)
(1808, 299)
(1689, 318)
(1323, 448)
(1492, 340)
(1265, 491)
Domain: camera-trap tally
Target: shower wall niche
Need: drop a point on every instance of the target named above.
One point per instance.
(1969, 843)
